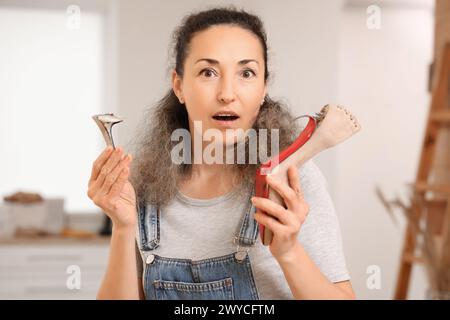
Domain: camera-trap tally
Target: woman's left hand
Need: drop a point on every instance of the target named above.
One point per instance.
(285, 230)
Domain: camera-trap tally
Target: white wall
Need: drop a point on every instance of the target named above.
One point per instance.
(383, 79)
(52, 81)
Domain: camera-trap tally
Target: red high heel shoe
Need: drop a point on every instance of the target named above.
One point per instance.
(261, 187)
(332, 125)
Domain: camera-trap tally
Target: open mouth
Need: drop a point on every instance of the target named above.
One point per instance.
(226, 117)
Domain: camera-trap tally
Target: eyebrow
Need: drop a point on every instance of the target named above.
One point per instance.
(212, 61)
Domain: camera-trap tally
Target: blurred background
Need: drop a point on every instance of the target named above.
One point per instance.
(63, 61)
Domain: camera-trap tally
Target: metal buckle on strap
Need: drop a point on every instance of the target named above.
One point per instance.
(240, 255)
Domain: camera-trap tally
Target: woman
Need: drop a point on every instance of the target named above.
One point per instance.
(189, 230)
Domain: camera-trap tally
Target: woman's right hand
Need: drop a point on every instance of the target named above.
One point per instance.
(110, 189)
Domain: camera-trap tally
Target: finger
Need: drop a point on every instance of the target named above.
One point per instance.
(294, 182)
(99, 162)
(273, 209)
(114, 174)
(286, 192)
(270, 222)
(120, 182)
(110, 164)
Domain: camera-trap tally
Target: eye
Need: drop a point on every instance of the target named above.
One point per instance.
(208, 72)
(247, 73)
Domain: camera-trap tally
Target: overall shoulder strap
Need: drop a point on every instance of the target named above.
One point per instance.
(249, 230)
(148, 223)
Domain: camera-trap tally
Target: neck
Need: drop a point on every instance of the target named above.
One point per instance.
(212, 171)
(208, 181)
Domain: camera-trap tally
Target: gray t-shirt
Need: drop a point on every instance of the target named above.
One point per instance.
(204, 228)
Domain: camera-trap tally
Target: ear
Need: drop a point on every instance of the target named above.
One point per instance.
(177, 85)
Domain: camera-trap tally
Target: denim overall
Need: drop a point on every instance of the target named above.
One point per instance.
(227, 277)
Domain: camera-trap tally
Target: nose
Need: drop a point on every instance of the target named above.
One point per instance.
(226, 91)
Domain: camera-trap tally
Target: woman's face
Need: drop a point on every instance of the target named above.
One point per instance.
(223, 83)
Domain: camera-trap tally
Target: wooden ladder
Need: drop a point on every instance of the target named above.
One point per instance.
(438, 118)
